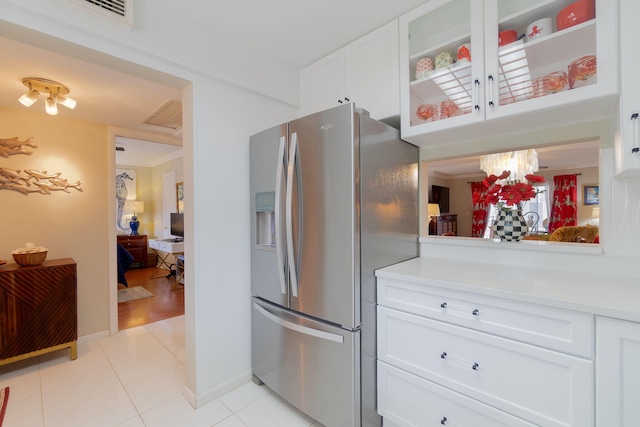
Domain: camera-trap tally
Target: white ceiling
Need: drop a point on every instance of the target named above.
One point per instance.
(297, 32)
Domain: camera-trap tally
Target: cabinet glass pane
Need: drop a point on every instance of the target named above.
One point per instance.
(545, 47)
(440, 55)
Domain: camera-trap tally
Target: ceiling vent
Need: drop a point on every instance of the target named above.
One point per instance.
(168, 115)
(121, 10)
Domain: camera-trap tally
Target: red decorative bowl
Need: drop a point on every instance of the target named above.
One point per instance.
(448, 109)
(581, 69)
(576, 13)
(506, 37)
(426, 111)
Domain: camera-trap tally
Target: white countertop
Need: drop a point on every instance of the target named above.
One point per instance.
(597, 294)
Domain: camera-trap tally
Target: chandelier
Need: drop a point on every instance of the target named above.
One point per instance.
(57, 94)
(519, 163)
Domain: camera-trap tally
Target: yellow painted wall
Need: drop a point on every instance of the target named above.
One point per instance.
(73, 224)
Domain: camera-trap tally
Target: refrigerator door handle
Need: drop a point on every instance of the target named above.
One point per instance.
(293, 155)
(299, 328)
(278, 214)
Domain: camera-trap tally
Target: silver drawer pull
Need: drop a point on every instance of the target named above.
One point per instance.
(473, 366)
(444, 305)
(445, 422)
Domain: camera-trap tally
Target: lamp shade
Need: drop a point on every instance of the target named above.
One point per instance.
(133, 207)
(433, 209)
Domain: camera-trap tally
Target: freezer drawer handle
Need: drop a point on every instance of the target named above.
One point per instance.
(475, 311)
(299, 328)
(473, 366)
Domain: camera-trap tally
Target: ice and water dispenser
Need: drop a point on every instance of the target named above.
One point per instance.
(265, 220)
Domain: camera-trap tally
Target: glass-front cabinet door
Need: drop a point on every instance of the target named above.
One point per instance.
(470, 61)
(545, 52)
(445, 67)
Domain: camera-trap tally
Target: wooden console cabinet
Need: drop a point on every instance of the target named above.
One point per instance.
(38, 309)
(446, 223)
(137, 247)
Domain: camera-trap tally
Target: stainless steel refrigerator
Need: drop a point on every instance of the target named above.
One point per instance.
(334, 196)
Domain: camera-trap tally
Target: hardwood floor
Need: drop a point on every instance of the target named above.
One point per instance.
(164, 303)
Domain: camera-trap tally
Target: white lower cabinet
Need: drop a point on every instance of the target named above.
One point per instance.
(409, 400)
(482, 375)
(617, 372)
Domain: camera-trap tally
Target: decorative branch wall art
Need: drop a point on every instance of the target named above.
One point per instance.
(9, 147)
(30, 180)
(33, 181)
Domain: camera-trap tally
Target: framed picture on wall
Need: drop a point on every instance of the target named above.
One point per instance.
(590, 195)
(180, 196)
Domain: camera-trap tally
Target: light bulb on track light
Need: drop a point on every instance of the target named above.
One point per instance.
(66, 101)
(51, 106)
(29, 98)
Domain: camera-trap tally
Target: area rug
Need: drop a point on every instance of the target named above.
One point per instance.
(4, 398)
(134, 293)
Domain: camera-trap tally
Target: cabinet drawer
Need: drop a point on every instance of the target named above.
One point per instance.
(131, 242)
(554, 328)
(539, 385)
(410, 401)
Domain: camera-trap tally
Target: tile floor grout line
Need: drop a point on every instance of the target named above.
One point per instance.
(124, 386)
(41, 391)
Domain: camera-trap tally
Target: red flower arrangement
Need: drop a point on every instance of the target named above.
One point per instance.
(507, 194)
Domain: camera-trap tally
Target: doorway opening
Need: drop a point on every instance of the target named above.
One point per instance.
(149, 288)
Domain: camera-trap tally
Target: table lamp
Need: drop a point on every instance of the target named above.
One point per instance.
(433, 210)
(134, 207)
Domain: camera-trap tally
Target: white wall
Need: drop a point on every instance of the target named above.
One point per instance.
(218, 190)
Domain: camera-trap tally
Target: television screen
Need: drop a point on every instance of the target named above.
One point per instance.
(440, 195)
(177, 224)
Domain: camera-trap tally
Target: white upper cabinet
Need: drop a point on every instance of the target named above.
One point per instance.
(628, 146)
(522, 66)
(364, 72)
(323, 84)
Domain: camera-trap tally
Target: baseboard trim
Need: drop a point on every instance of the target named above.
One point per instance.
(212, 394)
(93, 337)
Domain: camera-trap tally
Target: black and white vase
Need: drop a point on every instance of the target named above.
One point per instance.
(510, 226)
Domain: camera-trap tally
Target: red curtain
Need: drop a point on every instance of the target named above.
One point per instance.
(564, 208)
(480, 211)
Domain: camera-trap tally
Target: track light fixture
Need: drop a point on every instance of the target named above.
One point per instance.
(57, 94)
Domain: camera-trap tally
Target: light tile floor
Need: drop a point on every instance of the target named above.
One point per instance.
(132, 379)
